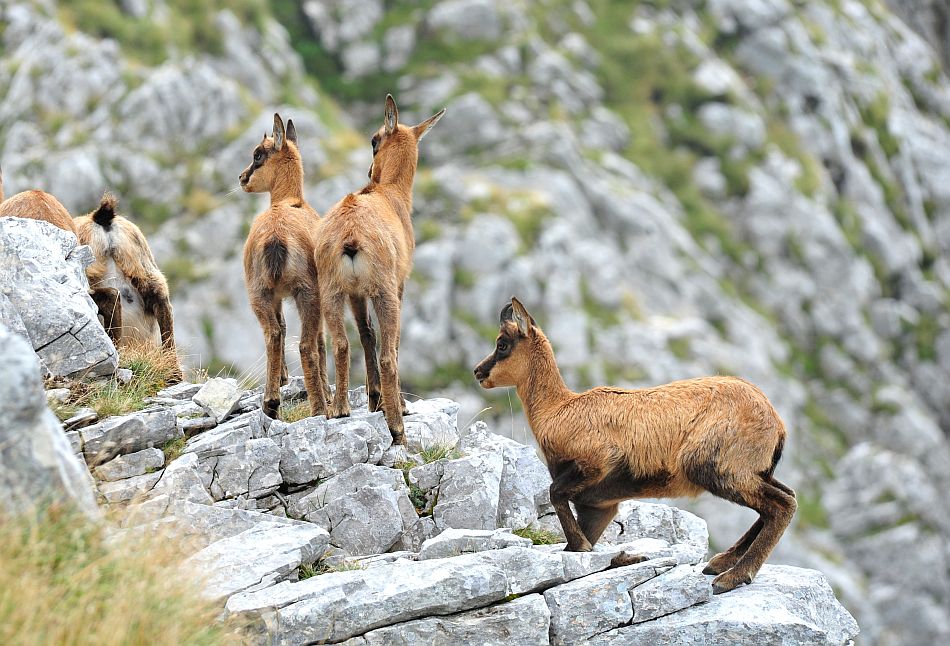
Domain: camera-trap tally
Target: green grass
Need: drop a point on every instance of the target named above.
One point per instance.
(439, 452)
(311, 570)
(294, 412)
(174, 448)
(152, 369)
(67, 580)
(538, 536)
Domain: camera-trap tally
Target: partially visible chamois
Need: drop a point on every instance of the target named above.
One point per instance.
(364, 251)
(40, 205)
(606, 445)
(279, 263)
(125, 265)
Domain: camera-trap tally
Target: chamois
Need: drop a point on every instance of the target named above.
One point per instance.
(40, 205)
(606, 445)
(125, 265)
(279, 262)
(364, 251)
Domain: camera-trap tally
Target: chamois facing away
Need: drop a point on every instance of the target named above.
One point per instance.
(606, 445)
(364, 251)
(279, 263)
(40, 205)
(125, 265)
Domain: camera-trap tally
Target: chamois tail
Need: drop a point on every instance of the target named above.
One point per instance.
(105, 213)
(275, 259)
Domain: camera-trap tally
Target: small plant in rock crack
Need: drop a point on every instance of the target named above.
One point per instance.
(439, 452)
(538, 535)
(309, 570)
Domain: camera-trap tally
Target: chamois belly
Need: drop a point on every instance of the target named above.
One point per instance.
(138, 326)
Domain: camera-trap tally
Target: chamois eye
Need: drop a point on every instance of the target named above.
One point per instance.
(502, 346)
(258, 156)
(375, 142)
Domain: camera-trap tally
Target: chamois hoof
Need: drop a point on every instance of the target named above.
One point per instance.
(583, 547)
(339, 410)
(270, 406)
(730, 580)
(719, 564)
(399, 438)
(625, 558)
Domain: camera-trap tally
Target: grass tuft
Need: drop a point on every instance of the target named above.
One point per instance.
(439, 452)
(152, 369)
(293, 412)
(65, 580)
(311, 570)
(538, 536)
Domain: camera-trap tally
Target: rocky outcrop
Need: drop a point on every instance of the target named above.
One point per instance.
(44, 297)
(37, 464)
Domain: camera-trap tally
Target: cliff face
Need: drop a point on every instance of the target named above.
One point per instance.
(676, 187)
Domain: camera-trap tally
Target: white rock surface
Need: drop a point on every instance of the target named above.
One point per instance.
(131, 464)
(219, 397)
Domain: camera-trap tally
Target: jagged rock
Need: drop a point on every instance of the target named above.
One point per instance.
(523, 621)
(225, 436)
(684, 531)
(131, 464)
(122, 491)
(315, 448)
(416, 534)
(182, 481)
(431, 422)
(182, 390)
(44, 285)
(257, 557)
(128, 434)
(784, 605)
(248, 468)
(57, 396)
(194, 425)
(462, 20)
(37, 463)
(83, 417)
(453, 542)
(594, 604)
(219, 397)
(75, 442)
(345, 503)
(525, 480)
(466, 490)
(681, 587)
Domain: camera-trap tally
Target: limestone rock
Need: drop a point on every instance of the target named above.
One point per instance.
(129, 489)
(684, 531)
(453, 542)
(219, 397)
(131, 464)
(128, 434)
(181, 480)
(466, 490)
(36, 460)
(315, 448)
(681, 587)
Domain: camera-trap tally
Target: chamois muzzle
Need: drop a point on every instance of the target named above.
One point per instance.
(483, 371)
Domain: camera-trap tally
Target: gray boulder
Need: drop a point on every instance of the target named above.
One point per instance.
(181, 480)
(784, 606)
(453, 542)
(44, 293)
(465, 490)
(219, 397)
(132, 464)
(685, 532)
(524, 621)
(315, 448)
(37, 463)
(128, 434)
(681, 587)
(129, 489)
(249, 468)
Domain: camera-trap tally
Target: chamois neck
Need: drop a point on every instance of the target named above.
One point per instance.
(544, 386)
(288, 181)
(399, 174)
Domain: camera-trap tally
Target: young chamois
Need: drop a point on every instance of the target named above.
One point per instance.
(279, 263)
(125, 265)
(40, 205)
(364, 251)
(606, 445)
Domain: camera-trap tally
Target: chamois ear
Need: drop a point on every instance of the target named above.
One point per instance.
(278, 132)
(291, 131)
(421, 130)
(505, 314)
(521, 317)
(391, 115)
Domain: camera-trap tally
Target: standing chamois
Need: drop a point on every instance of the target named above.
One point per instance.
(40, 205)
(606, 445)
(279, 263)
(364, 251)
(125, 265)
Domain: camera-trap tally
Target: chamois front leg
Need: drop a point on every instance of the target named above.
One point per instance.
(568, 481)
(333, 313)
(368, 340)
(109, 304)
(387, 311)
(284, 375)
(265, 307)
(308, 304)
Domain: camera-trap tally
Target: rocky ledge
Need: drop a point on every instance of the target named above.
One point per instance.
(321, 531)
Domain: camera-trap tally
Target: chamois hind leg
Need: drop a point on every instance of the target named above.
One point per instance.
(594, 520)
(109, 304)
(387, 308)
(725, 560)
(368, 340)
(776, 508)
(308, 306)
(155, 300)
(405, 408)
(265, 306)
(333, 313)
(284, 375)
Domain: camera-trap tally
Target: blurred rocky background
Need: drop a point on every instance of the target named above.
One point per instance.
(673, 187)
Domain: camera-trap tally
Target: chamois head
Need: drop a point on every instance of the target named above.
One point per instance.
(396, 145)
(273, 158)
(509, 363)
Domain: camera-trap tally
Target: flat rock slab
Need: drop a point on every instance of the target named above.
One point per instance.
(596, 603)
(523, 621)
(218, 397)
(466, 490)
(315, 448)
(686, 532)
(784, 606)
(128, 434)
(453, 542)
(257, 557)
(681, 587)
(129, 489)
(131, 464)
